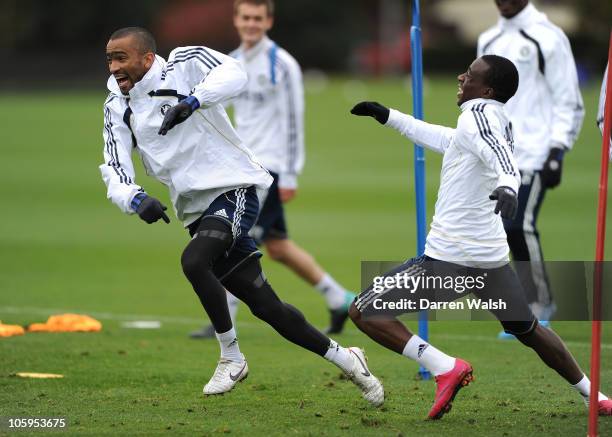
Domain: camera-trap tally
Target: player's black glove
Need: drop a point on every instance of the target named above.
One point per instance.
(551, 172)
(178, 114)
(372, 109)
(507, 202)
(149, 208)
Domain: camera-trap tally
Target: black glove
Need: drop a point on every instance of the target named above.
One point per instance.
(507, 202)
(149, 208)
(551, 171)
(373, 109)
(178, 114)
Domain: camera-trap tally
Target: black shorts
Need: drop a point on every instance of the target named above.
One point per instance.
(271, 221)
(238, 208)
(424, 283)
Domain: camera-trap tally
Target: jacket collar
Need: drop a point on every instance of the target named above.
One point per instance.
(471, 103)
(251, 53)
(149, 82)
(523, 19)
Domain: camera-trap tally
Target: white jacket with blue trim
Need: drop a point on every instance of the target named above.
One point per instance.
(547, 110)
(477, 159)
(269, 113)
(198, 159)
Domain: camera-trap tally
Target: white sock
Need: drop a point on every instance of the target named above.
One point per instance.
(584, 388)
(339, 355)
(229, 345)
(334, 293)
(437, 362)
(232, 305)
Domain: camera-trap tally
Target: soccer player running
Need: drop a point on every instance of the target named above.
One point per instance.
(171, 113)
(269, 117)
(466, 236)
(546, 114)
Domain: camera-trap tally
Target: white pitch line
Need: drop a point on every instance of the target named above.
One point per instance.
(196, 321)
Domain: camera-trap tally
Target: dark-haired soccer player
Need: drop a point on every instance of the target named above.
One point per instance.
(466, 237)
(171, 113)
(269, 116)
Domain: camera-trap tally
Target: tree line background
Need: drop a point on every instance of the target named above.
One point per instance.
(61, 42)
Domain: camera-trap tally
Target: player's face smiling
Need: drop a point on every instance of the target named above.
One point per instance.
(126, 62)
(509, 8)
(471, 83)
(252, 22)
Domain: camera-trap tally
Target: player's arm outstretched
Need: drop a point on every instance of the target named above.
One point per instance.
(431, 136)
(212, 76)
(481, 133)
(118, 169)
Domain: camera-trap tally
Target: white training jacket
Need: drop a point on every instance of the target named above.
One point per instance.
(477, 159)
(269, 113)
(198, 159)
(547, 110)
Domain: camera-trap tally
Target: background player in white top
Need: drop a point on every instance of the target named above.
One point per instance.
(269, 116)
(172, 114)
(466, 237)
(546, 115)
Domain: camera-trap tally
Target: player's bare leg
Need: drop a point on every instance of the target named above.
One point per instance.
(297, 259)
(391, 334)
(551, 349)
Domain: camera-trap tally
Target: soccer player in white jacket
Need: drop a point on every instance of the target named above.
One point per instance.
(172, 115)
(269, 116)
(467, 238)
(546, 114)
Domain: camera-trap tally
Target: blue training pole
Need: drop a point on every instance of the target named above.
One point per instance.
(419, 153)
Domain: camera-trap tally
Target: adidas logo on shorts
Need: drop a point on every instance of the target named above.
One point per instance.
(221, 213)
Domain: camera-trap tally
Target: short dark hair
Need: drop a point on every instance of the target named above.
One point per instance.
(502, 76)
(268, 3)
(144, 38)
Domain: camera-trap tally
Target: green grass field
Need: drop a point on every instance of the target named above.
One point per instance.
(64, 247)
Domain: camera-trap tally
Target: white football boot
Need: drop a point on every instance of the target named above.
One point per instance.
(371, 388)
(227, 374)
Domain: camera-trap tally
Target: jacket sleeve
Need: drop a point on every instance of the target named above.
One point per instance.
(602, 102)
(480, 45)
(290, 98)
(562, 80)
(431, 136)
(481, 133)
(486, 40)
(601, 108)
(211, 76)
(118, 170)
